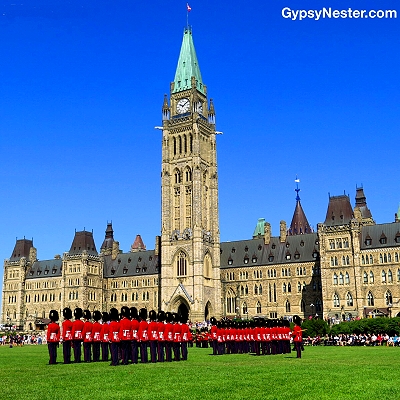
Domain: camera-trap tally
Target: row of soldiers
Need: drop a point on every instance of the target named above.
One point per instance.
(126, 336)
(260, 336)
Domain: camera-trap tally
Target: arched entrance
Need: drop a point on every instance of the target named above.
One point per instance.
(183, 311)
(207, 311)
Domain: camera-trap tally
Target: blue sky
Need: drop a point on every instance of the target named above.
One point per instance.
(82, 86)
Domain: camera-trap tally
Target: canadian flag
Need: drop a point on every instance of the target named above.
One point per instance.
(188, 7)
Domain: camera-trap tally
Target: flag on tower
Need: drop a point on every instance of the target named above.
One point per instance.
(188, 7)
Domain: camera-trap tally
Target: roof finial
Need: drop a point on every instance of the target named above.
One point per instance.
(188, 9)
(297, 190)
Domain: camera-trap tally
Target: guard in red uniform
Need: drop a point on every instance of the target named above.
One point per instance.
(186, 337)
(96, 335)
(87, 336)
(169, 336)
(153, 336)
(143, 335)
(135, 334)
(125, 334)
(67, 335)
(104, 335)
(77, 338)
(177, 331)
(213, 333)
(114, 336)
(161, 338)
(297, 335)
(53, 336)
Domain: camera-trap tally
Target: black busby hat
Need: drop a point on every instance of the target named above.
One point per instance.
(161, 316)
(114, 316)
(53, 315)
(97, 315)
(177, 318)
(184, 319)
(143, 314)
(169, 317)
(134, 313)
(297, 320)
(152, 315)
(125, 312)
(67, 313)
(213, 321)
(105, 317)
(78, 313)
(87, 314)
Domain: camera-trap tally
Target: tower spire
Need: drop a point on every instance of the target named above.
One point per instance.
(299, 224)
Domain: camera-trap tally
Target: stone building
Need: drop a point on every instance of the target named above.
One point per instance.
(348, 267)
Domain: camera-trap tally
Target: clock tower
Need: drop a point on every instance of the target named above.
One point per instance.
(190, 243)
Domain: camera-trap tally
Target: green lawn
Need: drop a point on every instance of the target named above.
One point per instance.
(323, 373)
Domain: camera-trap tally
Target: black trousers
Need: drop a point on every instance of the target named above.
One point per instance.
(67, 351)
(134, 351)
(96, 351)
(297, 346)
(87, 351)
(143, 352)
(184, 351)
(177, 349)
(168, 351)
(77, 350)
(125, 350)
(104, 351)
(114, 353)
(52, 346)
(153, 351)
(160, 351)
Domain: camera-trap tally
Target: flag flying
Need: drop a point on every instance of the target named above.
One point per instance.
(188, 7)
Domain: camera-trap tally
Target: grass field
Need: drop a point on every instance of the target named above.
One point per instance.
(322, 373)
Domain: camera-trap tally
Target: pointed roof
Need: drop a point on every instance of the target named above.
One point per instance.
(138, 244)
(259, 231)
(21, 249)
(83, 240)
(361, 203)
(339, 211)
(299, 224)
(188, 66)
(109, 237)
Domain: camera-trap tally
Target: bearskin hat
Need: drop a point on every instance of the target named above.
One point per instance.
(177, 318)
(97, 315)
(125, 312)
(143, 314)
(152, 315)
(183, 319)
(114, 316)
(213, 321)
(53, 315)
(134, 313)
(78, 313)
(297, 320)
(67, 313)
(169, 317)
(87, 314)
(161, 316)
(105, 317)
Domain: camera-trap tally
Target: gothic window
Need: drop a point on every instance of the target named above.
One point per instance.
(370, 299)
(346, 243)
(287, 306)
(188, 199)
(230, 302)
(366, 277)
(188, 174)
(336, 300)
(349, 299)
(284, 288)
(371, 277)
(260, 289)
(371, 260)
(181, 264)
(396, 257)
(302, 306)
(180, 144)
(335, 279)
(190, 143)
(255, 289)
(177, 176)
(289, 288)
(341, 281)
(389, 257)
(388, 298)
(362, 260)
(274, 292)
(184, 144)
(385, 258)
(331, 244)
(246, 290)
(390, 276)
(347, 278)
(299, 287)
(270, 293)
(244, 308)
(383, 277)
(318, 305)
(258, 307)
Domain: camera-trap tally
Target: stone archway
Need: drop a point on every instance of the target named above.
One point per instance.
(208, 311)
(181, 307)
(183, 311)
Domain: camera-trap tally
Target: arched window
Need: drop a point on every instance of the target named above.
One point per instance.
(371, 277)
(383, 277)
(287, 306)
(347, 278)
(370, 299)
(181, 264)
(347, 260)
(349, 299)
(177, 176)
(244, 308)
(371, 260)
(302, 306)
(230, 302)
(258, 307)
(184, 144)
(388, 298)
(318, 305)
(390, 276)
(336, 300)
(289, 288)
(174, 146)
(180, 144)
(396, 257)
(255, 289)
(299, 287)
(366, 277)
(389, 257)
(207, 266)
(260, 289)
(362, 260)
(246, 290)
(284, 288)
(188, 174)
(341, 281)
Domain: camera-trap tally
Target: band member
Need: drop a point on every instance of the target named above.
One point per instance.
(297, 335)
(114, 336)
(96, 335)
(104, 335)
(77, 338)
(169, 336)
(135, 334)
(186, 337)
(153, 336)
(87, 336)
(125, 334)
(177, 331)
(67, 335)
(143, 335)
(161, 338)
(213, 333)
(53, 336)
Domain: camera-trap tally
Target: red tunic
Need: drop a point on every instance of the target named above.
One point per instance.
(143, 326)
(160, 331)
(213, 332)
(114, 331)
(53, 333)
(125, 329)
(169, 332)
(87, 332)
(77, 328)
(96, 331)
(177, 331)
(135, 329)
(186, 334)
(153, 330)
(104, 334)
(297, 334)
(67, 330)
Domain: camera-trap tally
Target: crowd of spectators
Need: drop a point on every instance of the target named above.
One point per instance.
(20, 340)
(353, 340)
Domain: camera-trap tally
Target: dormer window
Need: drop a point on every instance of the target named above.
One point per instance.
(302, 243)
(246, 249)
(54, 270)
(273, 245)
(296, 255)
(230, 261)
(288, 256)
(368, 241)
(254, 259)
(233, 250)
(287, 244)
(246, 260)
(129, 260)
(137, 269)
(397, 238)
(112, 271)
(383, 239)
(125, 270)
(271, 257)
(259, 247)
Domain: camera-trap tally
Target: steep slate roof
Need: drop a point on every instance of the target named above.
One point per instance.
(21, 249)
(259, 230)
(339, 211)
(132, 264)
(361, 203)
(109, 238)
(83, 240)
(378, 232)
(299, 224)
(188, 66)
(138, 244)
(45, 269)
(299, 247)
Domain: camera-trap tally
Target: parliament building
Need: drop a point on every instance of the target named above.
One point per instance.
(349, 267)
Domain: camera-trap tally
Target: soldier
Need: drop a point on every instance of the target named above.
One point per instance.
(169, 336)
(125, 335)
(135, 334)
(53, 336)
(297, 335)
(96, 335)
(104, 335)
(67, 335)
(87, 336)
(177, 332)
(186, 337)
(77, 338)
(213, 333)
(114, 336)
(161, 337)
(143, 335)
(153, 336)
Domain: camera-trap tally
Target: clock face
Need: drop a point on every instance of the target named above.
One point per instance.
(183, 106)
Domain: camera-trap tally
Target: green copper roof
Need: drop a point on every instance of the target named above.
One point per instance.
(259, 231)
(188, 66)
